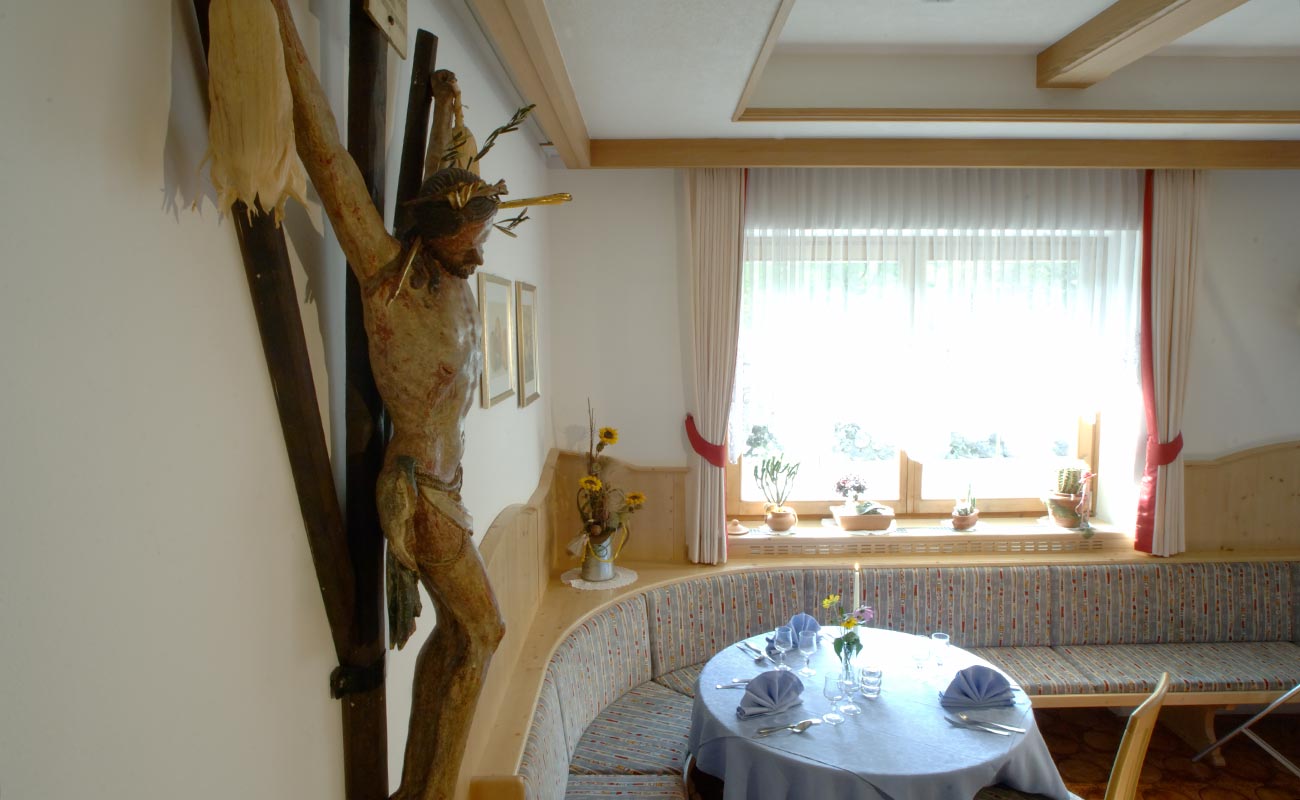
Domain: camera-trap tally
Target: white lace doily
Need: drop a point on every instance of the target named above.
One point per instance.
(622, 577)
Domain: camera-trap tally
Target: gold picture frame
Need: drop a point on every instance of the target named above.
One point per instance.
(529, 368)
(496, 312)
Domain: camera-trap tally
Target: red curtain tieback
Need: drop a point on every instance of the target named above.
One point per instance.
(1163, 453)
(715, 454)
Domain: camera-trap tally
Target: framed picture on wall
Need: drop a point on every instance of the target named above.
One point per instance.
(526, 325)
(496, 308)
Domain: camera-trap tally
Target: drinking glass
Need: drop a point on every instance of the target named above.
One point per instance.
(807, 646)
(939, 646)
(834, 693)
(849, 685)
(869, 680)
(920, 652)
(783, 643)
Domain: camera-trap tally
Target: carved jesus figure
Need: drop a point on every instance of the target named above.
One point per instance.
(423, 328)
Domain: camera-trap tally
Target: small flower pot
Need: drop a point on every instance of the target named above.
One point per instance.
(781, 520)
(1063, 508)
(964, 522)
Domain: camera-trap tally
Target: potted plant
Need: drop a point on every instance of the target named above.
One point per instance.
(776, 480)
(1068, 505)
(603, 509)
(964, 512)
(858, 514)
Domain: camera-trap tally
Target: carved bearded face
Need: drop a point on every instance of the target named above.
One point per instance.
(454, 233)
(461, 252)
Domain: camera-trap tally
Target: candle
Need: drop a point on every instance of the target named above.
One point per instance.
(857, 588)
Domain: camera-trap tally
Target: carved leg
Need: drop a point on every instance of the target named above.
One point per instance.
(1194, 725)
(451, 666)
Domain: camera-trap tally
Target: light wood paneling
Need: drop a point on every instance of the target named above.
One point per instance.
(1074, 115)
(658, 530)
(1121, 34)
(1244, 501)
(515, 552)
(1114, 153)
(521, 33)
(764, 53)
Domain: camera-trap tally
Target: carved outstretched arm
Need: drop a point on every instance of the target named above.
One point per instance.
(359, 225)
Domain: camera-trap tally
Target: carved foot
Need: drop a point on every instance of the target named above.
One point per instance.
(1194, 725)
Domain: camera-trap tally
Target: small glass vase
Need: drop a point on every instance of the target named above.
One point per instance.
(598, 561)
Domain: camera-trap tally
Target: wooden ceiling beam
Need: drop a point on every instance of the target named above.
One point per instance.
(1071, 115)
(1120, 35)
(521, 33)
(764, 53)
(1080, 153)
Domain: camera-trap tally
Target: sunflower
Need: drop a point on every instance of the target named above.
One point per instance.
(591, 483)
(850, 623)
(635, 499)
(609, 435)
(830, 600)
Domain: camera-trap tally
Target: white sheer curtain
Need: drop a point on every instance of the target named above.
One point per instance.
(1176, 210)
(891, 309)
(717, 211)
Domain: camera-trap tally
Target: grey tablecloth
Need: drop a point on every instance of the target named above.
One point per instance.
(899, 748)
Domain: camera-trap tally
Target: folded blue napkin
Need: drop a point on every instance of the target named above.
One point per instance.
(770, 692)
(977, 687)
(803, 622)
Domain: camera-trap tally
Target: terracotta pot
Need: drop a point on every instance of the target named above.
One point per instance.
(782, 520)
(1062, 508)
(964, 522)
(862, 522)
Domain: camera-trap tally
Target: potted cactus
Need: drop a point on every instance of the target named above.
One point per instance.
(1068, 504)
(964, 512)
(776, 480)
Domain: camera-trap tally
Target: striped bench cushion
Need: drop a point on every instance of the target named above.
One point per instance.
(682, 680)
(545, 763)
(583, 787)
(644, 732)
(606, 655)
(1159, 603)
(1038, 670)
(1244, 666)
(695, 618)
(977, 606)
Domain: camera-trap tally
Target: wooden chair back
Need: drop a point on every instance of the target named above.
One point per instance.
(1133, 747)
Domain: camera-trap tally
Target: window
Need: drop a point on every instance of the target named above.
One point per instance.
(932, 355)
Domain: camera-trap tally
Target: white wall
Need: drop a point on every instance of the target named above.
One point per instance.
(616, 305)
(162, 629)
(1244, 385)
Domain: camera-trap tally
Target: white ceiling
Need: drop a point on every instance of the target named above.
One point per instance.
(677, 68)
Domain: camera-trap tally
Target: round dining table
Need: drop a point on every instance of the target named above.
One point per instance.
(901, 747)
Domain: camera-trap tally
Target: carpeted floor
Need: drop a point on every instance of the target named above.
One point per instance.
(1083, 742)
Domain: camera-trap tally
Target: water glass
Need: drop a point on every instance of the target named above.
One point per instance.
(920, 652)
(783, 643)
(939, 646)
(833, 692)
(807, 646)
(849, 685)
(869, 680)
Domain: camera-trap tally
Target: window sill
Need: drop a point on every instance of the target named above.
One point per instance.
(929, 536)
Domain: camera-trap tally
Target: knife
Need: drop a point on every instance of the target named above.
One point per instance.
(959, 724)
(1011, 728)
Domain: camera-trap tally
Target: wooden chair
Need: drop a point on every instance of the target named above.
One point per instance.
(1128, 759)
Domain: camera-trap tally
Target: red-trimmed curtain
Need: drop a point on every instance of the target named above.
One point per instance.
(1171, 216)
(716, 199)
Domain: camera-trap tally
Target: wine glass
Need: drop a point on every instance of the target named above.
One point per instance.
(807, 646)
(783, 643)
(834, 692)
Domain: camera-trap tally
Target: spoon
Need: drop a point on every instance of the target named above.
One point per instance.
(753, 652)
(798, 727)
(969, 720)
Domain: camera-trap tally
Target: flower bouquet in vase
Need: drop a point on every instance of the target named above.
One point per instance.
(603, 509)
(857, 514)
(847, 644)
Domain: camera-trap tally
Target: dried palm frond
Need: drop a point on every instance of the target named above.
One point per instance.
(251, 138)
